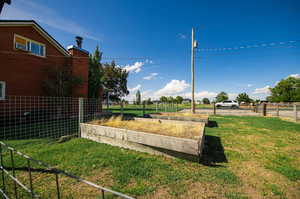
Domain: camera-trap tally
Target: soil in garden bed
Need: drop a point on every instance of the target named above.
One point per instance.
(180, 129)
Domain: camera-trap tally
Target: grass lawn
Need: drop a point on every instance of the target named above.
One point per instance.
(246, 157)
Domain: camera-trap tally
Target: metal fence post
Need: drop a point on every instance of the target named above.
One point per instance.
(295, 112)
(14, 173)
(2, 165)
(80, 114)
(30, 178)
(156, 106)
(144, 106)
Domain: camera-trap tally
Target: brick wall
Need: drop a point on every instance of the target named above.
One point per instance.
(79, 65)
(24, 73)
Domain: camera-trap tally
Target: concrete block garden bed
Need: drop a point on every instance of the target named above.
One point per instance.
(181, 117)
(175, 139)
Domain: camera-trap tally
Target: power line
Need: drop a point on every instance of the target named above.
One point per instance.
(259, 45)
(126, 58)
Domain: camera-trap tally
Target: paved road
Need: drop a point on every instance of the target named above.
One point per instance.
(242, 112)
(237, 112)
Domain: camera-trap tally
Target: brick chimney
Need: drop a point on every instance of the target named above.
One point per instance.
(80, 67)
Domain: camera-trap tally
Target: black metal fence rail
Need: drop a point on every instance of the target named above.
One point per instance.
(6, 174)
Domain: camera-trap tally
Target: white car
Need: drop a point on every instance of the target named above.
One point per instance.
(228, 103)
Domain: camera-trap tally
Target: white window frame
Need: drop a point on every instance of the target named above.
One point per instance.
(3, 90)
(28, 46)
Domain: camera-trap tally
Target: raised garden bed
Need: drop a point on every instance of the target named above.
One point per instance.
(181, 117)
(161, 137)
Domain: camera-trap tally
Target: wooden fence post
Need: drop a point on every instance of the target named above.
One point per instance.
(295, 112)
(277, 110)
(214, 108)
(156, 107)
(264, 109)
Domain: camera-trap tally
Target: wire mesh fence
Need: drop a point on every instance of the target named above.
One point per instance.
(140, 109)
(284, 110)
(23, 117)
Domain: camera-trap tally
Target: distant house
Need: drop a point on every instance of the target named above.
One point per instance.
(26, 50)
(186, 101)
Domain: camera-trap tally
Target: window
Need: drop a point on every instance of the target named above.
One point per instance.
(31, 46)
(2, 90)
(20, 43)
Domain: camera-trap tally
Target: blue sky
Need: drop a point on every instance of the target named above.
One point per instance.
(152, 40)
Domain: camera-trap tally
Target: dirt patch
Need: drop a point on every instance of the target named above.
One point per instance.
(183, 130)
(255, 180)
(194, 190)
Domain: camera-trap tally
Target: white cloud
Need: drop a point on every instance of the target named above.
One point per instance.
(135, 88)
(151, 76)
(136, 67)
(31, 10)
(181, 36)
(173, 87)
(132, 92)
(232, 96)
(249, 85)
(147, 94)
(207, 94)
(295, 75)
(201, 94)
(264, 90)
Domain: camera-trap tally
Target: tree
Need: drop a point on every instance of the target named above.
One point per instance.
(179, 99)
(148, 101)
(114, 81)
(60, 81)
(170, 99)
(138, 97)
(287, 90)
(222, 96)
(95, 74)
(163, 99)
(243, 97)
(206, 101)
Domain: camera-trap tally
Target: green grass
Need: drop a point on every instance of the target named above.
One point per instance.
(248, 157)
(137, 110)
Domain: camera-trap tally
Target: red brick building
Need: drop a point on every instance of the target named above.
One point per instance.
(26, 51)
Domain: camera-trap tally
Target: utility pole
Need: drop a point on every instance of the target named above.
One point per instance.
(194, 45)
